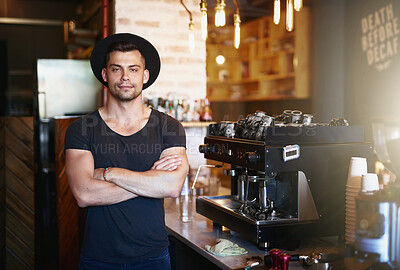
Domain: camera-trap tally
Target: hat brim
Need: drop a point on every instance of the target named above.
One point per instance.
(152, 59)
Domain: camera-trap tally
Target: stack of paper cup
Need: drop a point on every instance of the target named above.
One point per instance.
(357, 168)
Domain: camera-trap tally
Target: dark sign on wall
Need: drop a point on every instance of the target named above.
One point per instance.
(372, 38)
(380, 37)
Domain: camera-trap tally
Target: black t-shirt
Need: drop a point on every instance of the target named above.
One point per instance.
(132, 230)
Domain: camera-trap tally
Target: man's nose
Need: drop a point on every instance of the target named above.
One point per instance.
(125, 76)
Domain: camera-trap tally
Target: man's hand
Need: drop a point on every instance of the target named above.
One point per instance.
(167, 163)
(98, 174)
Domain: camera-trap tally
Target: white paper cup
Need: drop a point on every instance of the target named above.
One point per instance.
(357, 167)
(369, 182)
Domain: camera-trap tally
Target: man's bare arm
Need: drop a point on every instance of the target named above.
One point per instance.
(159, 182)
(87, 190)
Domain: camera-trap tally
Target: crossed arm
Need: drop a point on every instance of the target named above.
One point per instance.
(165, 179)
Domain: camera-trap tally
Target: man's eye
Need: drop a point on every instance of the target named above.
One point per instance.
(115, 69)
(133, 69)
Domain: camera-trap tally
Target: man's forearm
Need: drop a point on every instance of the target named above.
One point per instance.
(99, 192)
(152, 183)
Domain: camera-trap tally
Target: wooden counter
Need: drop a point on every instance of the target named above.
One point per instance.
(195, 235)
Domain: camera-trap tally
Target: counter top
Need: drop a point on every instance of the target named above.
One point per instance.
(200, 232)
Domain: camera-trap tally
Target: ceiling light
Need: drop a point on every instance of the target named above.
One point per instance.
(191, 37)
(220, 13)
(203, 10)
(289, 15)
(277, 11)
(298, 5)
(236, 20)
(191, 28)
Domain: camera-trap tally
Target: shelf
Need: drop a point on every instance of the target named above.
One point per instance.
(275, 53)
(271, 77)
(252, 99)
(275, 77)
(196, 124)
(228, 82)
(285, 36)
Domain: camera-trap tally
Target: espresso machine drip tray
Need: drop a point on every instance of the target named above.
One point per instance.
(231, 206)
(224, 211)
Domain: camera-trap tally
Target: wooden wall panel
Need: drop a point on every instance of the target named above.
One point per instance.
(70, 216)
(2, 197)
(17, 171)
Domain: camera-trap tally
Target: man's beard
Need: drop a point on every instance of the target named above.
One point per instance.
(122, 96)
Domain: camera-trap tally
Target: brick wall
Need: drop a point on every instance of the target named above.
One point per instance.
(165, 24)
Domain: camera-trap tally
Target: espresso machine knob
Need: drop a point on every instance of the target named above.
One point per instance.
(204, 148)
(252, 157)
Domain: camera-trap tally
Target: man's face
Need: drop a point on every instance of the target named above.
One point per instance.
(125, 74)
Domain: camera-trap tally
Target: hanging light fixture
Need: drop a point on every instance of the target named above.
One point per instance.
(191, 29)
(289, 15)
(298, 5)
(277, 11)
(220, 13)
(203, 10)
(236, 20)
(236, 23)
(191, 36)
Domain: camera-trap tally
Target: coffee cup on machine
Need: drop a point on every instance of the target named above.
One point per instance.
(369, 182)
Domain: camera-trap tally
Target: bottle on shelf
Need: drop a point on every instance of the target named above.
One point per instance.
(188, 115)
(179, 110)
(196, 114)
(206, 114)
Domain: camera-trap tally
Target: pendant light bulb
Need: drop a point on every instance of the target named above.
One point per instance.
(220, 13)
(191, 37)
(289, 15)
(277, 11)
(203, 10)
(236, 22)
(298, 5)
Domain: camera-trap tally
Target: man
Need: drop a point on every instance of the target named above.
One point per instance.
(123, 159)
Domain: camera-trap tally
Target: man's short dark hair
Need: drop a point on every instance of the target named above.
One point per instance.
(122, 46)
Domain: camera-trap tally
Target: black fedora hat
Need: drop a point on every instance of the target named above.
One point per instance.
(152, 59)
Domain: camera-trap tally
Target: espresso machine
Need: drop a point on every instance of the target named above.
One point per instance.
(288, 175)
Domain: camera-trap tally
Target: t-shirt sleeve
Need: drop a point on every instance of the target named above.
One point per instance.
(173, 133)
(77, 136)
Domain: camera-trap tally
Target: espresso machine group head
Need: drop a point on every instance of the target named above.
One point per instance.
(288, 176)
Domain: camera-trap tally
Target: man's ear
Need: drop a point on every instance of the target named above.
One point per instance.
(103, 74)
(146, 76)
